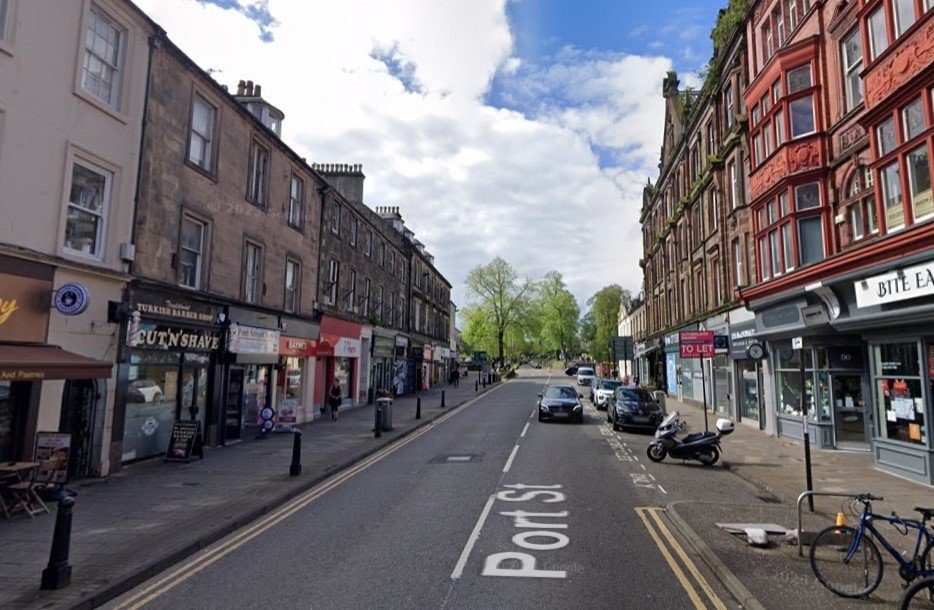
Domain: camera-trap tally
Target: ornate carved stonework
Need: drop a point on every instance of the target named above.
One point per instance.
(851, 136)
(912, 56)
(793, 158)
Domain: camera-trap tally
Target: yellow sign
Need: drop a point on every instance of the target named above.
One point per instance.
(21, 375)
(6, 309)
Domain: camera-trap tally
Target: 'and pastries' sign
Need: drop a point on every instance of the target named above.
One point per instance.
(901, 285)
(252, 340)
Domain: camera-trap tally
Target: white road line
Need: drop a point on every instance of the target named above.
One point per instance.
(459, 568)
(663, 489)
(511, 457)
(531, 415)
(524, 429)
(643, 466)
(651, 477)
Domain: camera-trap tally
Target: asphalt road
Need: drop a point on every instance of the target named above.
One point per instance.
(486, 507)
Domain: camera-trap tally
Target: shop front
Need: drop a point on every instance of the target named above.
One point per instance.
(747, 373)
(338, 358)
(168, 367)
(294, 374)
(718, 370)
(892, 306)
(400, 378)
(252, 359)
(26, 360)
(828, 370)
(383, 362)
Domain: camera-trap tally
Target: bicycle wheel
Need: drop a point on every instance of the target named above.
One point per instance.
(919, 596)
(857, 577)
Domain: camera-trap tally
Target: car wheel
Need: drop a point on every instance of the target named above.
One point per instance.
(580, 418)
(616, 427)
(540, 417)
(609, 419)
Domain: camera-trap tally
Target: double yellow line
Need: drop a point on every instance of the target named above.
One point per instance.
(654, 522)
(199, 563)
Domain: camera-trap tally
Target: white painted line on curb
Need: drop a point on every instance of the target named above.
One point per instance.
(524, 429)
(511, 458)
(663, 489)
(459, 568)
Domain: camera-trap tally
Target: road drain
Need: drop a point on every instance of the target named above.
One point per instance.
(769, 499)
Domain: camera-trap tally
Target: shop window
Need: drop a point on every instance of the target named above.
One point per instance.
(88, 200)
(919, 180)
(852, 65)
(789, 381)
(801, 112)
(892, 197)
(897, 380)
(878, 37)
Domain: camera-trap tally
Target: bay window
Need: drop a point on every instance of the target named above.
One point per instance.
(799, 79)
(787, 247)
(919, 181)
(886, 137)
(779, 128)
(892, 197)
(801, 112)
(904, 15)
(810, 240)
(807, 196)
(913, 119)
(878, 37)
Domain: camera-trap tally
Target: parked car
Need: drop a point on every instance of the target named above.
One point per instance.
(603, 390)
(571, 370)
(536, 365)
(560, 402)
(584, 375)
(634, 408)
(144, 390)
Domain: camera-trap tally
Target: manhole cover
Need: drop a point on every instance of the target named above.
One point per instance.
(769, 499)
(457, 458)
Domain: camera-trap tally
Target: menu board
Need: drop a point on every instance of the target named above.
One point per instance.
(53, 447)
(185, 438)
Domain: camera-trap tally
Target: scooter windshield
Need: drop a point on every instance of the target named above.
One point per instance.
(672, 417)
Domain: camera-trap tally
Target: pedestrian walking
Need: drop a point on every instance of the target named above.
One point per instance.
(334, 399)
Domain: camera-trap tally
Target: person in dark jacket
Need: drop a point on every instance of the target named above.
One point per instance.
(334, 399)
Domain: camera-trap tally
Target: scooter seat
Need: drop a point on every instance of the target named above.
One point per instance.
(690, 438)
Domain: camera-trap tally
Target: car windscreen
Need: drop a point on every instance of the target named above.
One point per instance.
(585, 371)
(635, 394)
(611, 385)
(560, 392)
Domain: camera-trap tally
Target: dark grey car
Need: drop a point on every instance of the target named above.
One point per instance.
(560, 402)
(634, 408)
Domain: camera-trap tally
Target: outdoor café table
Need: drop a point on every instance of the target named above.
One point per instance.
(13, 473)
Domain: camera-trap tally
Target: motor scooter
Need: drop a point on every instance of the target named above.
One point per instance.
(701, 446)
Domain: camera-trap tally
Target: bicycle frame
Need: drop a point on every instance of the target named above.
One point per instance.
(910, 568)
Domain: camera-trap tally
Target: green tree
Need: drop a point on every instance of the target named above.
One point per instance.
(559, 315)
(604, 310)
(501, 296)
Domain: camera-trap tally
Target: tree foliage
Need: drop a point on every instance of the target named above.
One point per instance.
(558, 314)
(501, 301)
(604, 317)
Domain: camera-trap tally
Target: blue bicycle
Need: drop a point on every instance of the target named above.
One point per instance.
(848, 562)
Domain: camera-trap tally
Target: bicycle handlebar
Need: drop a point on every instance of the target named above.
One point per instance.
(868, 498)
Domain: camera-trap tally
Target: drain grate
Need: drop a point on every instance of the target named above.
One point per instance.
(769, 499)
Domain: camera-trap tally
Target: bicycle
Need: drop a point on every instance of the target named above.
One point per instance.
(919, 596)
(848, 562)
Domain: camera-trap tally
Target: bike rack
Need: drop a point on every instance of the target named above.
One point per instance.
(807, 494)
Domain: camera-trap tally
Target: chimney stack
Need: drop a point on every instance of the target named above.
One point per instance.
(258, 91)
(249, 88)
(241, 87)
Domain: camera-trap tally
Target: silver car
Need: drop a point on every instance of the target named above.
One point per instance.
(584, 375)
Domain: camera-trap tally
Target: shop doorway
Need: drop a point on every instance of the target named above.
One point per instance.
(79, 412)
(849, 411)
(233, 418)
(14, 404)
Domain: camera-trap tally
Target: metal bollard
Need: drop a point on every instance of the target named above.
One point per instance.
(418, 408)
(295, 468)
(379, 413)
(442, 399)
(58, 573)
(484, 381)
(476, 386)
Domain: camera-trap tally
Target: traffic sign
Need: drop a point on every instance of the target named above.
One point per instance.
(696, 344)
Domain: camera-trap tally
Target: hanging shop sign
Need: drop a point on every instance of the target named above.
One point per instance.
(251, 340)
(71, 299)
(24, 308)
(158, 336)
(899, 285)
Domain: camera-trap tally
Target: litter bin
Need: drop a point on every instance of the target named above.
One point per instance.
(659, 395)
(385, 404)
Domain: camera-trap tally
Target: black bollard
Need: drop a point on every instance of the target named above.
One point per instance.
(296, 467)
(379, 412)
(418, 408)
(476, 386)
(58, 573)
(442, 399)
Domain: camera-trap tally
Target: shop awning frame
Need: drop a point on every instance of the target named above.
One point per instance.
(40, 362)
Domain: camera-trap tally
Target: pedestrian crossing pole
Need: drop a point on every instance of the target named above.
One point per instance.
(798, 344)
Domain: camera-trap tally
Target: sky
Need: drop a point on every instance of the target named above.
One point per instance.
(524, 129)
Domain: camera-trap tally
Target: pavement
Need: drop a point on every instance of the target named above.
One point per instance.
(130, 526)
(776, 577)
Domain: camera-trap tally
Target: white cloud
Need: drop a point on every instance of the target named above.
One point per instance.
(472, 181)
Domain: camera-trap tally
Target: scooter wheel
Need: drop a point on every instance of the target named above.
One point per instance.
(656, 452)
(709, 458)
